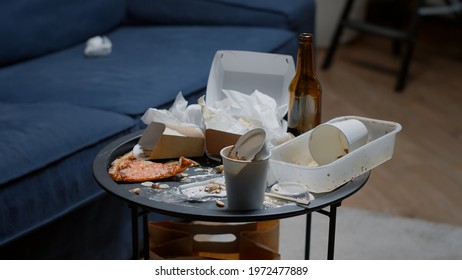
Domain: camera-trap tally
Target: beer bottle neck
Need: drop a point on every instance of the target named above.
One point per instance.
(305, 58)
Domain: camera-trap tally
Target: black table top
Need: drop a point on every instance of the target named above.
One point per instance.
(206, 211)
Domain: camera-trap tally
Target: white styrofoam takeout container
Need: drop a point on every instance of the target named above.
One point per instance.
(292, 161)
(245, 71)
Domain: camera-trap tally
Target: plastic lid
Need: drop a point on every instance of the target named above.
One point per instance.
(289, 188)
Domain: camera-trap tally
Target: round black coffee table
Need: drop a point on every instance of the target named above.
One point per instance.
(209, 211)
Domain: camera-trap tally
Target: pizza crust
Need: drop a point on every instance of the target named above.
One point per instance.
(129, 169)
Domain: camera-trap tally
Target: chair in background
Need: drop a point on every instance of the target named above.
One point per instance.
(419, 8)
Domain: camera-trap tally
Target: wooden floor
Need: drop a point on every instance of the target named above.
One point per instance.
(424, 178)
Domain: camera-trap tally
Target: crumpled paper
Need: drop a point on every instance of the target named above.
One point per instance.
(239, 113)
(98, 46)
(180, 114)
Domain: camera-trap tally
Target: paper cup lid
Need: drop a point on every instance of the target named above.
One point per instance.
(289, 188)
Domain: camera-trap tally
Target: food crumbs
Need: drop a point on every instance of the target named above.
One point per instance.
(214, 187)
(219, 203)
(135, 191)
(219, 169)
(147, 184)
(160, 186)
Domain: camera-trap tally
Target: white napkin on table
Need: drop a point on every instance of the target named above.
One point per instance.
(239, 113)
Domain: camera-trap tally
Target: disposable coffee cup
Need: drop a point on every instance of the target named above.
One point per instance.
(245, 181)
(331, 141)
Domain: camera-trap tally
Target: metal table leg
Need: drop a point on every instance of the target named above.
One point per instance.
(145, 235)
(332, 224)
(135, 237)
(308, 236)
(332, 215)
(135, 233)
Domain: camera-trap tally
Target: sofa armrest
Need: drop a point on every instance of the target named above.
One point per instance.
(295, 15)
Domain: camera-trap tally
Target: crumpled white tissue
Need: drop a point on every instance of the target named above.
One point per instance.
(239, 113)
(98, 46)
(180, 113)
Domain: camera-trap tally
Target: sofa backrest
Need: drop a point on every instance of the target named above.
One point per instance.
(295, 15)
(30, 28)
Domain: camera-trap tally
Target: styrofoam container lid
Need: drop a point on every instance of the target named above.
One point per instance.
(246, 71)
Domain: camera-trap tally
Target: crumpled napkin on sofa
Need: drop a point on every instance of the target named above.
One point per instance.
(98, 46)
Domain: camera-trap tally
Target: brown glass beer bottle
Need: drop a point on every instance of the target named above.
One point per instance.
(305, 90)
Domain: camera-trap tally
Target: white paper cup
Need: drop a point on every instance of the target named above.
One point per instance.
(245, 181)
(329, 142)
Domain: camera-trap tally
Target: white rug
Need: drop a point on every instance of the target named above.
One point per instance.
(364, 235)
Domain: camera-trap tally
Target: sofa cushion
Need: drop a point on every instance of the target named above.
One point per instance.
(32, 28)
(148, 66)
(99, 230)
(34, 135)
(47, 155)
(297, 16)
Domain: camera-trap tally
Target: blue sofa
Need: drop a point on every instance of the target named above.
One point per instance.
(60, 108)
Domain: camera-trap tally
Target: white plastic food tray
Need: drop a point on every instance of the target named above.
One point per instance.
(292, 160)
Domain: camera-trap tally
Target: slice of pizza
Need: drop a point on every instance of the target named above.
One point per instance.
(129, 169)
